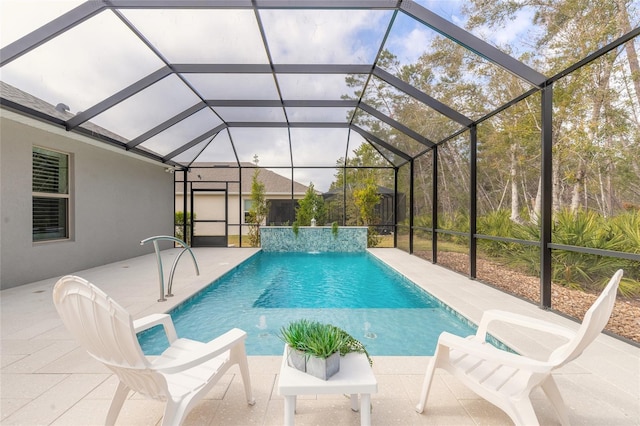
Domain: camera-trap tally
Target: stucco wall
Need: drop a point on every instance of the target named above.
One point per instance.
(116, 201)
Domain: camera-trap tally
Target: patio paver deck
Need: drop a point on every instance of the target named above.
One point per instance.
(46, 379)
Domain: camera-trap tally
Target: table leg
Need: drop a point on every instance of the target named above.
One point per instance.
(365, 409)
(289, 410)
(355, 406)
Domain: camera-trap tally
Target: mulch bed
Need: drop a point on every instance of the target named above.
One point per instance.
(625, 320)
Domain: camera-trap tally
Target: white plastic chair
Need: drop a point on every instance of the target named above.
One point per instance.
(506, 379)
(181, 376)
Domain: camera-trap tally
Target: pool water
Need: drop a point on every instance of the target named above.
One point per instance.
(389, 314)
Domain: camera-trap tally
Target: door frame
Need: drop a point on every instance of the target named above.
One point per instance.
(210, 240)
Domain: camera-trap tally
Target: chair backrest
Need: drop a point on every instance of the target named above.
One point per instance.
(105, 330)
(595, 319)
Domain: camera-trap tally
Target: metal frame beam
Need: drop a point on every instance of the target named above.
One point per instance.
(379, 141)
(284, 124)
(396, 125)
(472, 43)
(165, 125)
(115, 99)
(267, 69)
(195, 141)
(276, 103)
(50, 30)
(422, 97)
(260, 4)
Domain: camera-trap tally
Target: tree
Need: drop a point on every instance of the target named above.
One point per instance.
(365, 164)
(311, 207)
(596, 108)
(366, 198)
(259, 207)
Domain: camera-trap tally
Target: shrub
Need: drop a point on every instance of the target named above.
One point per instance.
(179, 226)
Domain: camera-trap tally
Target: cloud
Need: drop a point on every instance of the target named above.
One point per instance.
(101, 56)
(202, 36)
(511, 33)
(409, 46)
(20, 17)
(324, 36)
(83, 66)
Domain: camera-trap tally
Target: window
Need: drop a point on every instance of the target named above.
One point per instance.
(50, 195)
(247, 210)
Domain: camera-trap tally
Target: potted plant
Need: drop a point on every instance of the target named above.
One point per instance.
(323, 345)
(295, 335)
(315, 348)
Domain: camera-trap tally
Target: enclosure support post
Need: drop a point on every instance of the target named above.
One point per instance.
(240, 206)
(396, 209)
(434, 207)
(546, 213)
(411, 206)
(184, 206)
(473, 202)
(344, 193)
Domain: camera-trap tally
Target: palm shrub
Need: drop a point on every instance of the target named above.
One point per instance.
(457, 221)
(627, 225)
(524, 256)
(422, 221)
(499, 224)
(582, 229)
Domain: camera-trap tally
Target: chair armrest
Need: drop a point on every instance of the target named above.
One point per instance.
(203, 353)
(492, 354)
(520, 320)
(157, 319)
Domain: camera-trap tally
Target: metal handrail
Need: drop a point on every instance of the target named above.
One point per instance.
(175, 262)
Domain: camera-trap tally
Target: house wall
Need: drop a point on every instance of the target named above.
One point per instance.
(210, 205)
(116, 201)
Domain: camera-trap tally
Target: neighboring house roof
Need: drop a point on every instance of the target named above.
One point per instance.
(204, 176)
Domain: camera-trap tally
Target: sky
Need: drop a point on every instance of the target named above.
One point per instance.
(101, 56)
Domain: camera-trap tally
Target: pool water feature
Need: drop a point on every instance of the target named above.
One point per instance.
(388, 313)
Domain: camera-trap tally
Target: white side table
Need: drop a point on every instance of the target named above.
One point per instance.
(355, 377)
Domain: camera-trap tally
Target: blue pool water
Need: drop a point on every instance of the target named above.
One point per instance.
(386, 312)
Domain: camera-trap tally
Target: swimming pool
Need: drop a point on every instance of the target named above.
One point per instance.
(389, 314)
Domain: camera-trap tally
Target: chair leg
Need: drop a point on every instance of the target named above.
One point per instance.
(522, 413)
(239, 355)
(426, 386)
(174, 413)
(550, 389)
(116, 404)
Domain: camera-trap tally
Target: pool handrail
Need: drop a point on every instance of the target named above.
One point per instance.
(155, 240)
